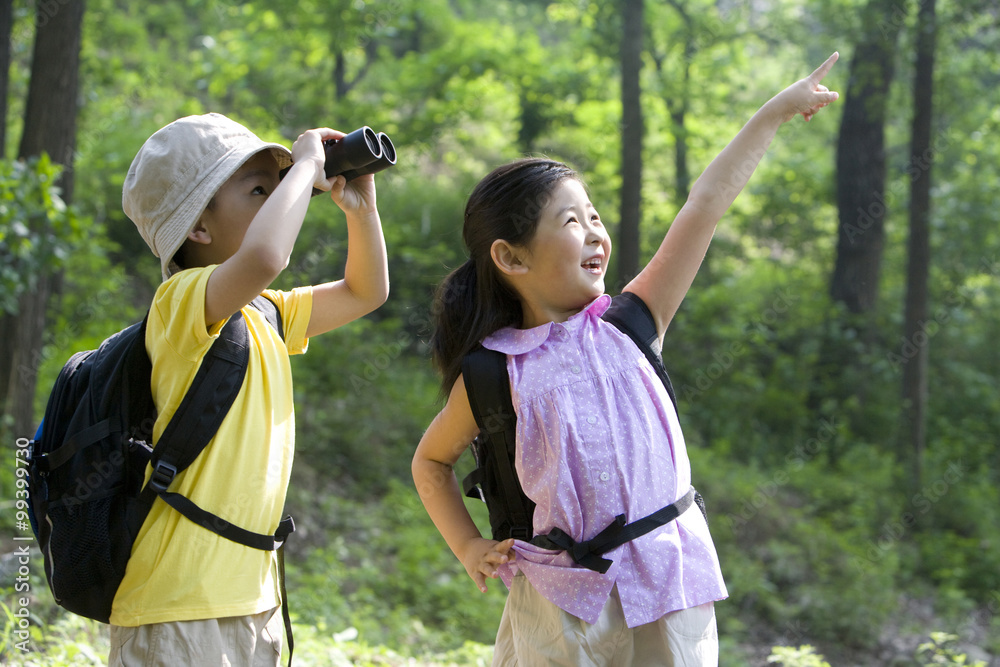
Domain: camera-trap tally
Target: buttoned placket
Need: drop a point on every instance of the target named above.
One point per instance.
(595, 438)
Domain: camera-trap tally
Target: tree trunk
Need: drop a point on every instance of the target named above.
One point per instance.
(340, 86)
(915, 334)
(533, 122)
(678, 117)
(678, 105)
(49, 126)
(50, 114)
(6, 322)
(6, 28)
(861, 163)
(862, 202)
(632, 130)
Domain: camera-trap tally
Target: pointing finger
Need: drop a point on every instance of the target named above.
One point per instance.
(821, 71)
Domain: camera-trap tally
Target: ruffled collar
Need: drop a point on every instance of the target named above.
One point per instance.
(511, 340)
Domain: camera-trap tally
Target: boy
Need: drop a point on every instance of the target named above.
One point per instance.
(206, 196)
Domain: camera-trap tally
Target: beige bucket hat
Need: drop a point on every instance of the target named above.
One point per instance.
(178, 171)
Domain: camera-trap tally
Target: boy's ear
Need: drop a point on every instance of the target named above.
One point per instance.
(508, 258)
(200, 234)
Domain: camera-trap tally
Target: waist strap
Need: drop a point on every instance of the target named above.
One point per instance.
(617, 533)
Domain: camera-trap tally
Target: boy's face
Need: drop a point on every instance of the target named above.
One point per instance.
(237, 202)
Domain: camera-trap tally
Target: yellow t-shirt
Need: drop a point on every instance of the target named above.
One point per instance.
(178, 570)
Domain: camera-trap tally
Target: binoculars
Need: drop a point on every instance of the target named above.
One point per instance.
(361, 152)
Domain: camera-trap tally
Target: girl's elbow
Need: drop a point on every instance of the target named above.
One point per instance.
(419, 470)
(417, 466)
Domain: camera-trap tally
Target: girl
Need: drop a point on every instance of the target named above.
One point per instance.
(597, 435)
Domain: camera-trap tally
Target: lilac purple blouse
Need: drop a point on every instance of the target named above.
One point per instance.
(598, 436)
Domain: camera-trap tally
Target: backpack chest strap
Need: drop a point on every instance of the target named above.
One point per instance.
(618, 532)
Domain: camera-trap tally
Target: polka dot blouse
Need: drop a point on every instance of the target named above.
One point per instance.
(598, 436)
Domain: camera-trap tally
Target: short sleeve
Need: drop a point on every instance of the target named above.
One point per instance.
(177, 316)
(296, 309)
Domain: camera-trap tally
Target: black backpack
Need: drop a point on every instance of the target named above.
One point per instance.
(494, 480)
(88, 462)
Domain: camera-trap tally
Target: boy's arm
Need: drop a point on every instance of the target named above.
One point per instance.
(365, 285)
(267, 243)
(434, 476)
(667, 277)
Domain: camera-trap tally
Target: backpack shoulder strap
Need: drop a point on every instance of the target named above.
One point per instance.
(206, 403)
(271, 313)
(484, 372)
(487, 383)
(212, 392)
(632, 316)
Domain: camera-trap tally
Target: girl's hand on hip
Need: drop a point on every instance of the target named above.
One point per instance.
(481, 558)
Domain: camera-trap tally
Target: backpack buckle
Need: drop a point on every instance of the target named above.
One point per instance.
(523, 533)
(163, 474)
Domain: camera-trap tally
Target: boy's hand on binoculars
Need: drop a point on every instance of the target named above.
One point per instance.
(309, 148)
(356, 197)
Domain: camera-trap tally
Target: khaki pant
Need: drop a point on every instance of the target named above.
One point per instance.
(238, 641)
(534, 632)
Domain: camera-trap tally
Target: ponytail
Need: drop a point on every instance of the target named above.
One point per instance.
(470, 304)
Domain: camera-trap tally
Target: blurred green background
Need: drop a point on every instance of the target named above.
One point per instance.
(834, 529)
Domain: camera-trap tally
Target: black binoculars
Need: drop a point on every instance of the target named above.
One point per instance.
(361, 152)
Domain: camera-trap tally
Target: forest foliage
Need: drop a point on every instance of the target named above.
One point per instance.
(819, 543)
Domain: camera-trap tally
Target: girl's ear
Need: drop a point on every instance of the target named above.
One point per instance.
(508, 258)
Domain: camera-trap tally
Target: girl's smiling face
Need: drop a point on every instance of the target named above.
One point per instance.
(567, 258)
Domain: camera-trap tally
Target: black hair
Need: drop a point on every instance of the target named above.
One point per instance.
(475, 300)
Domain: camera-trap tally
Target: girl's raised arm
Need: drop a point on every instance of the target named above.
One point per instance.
(668, 276)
